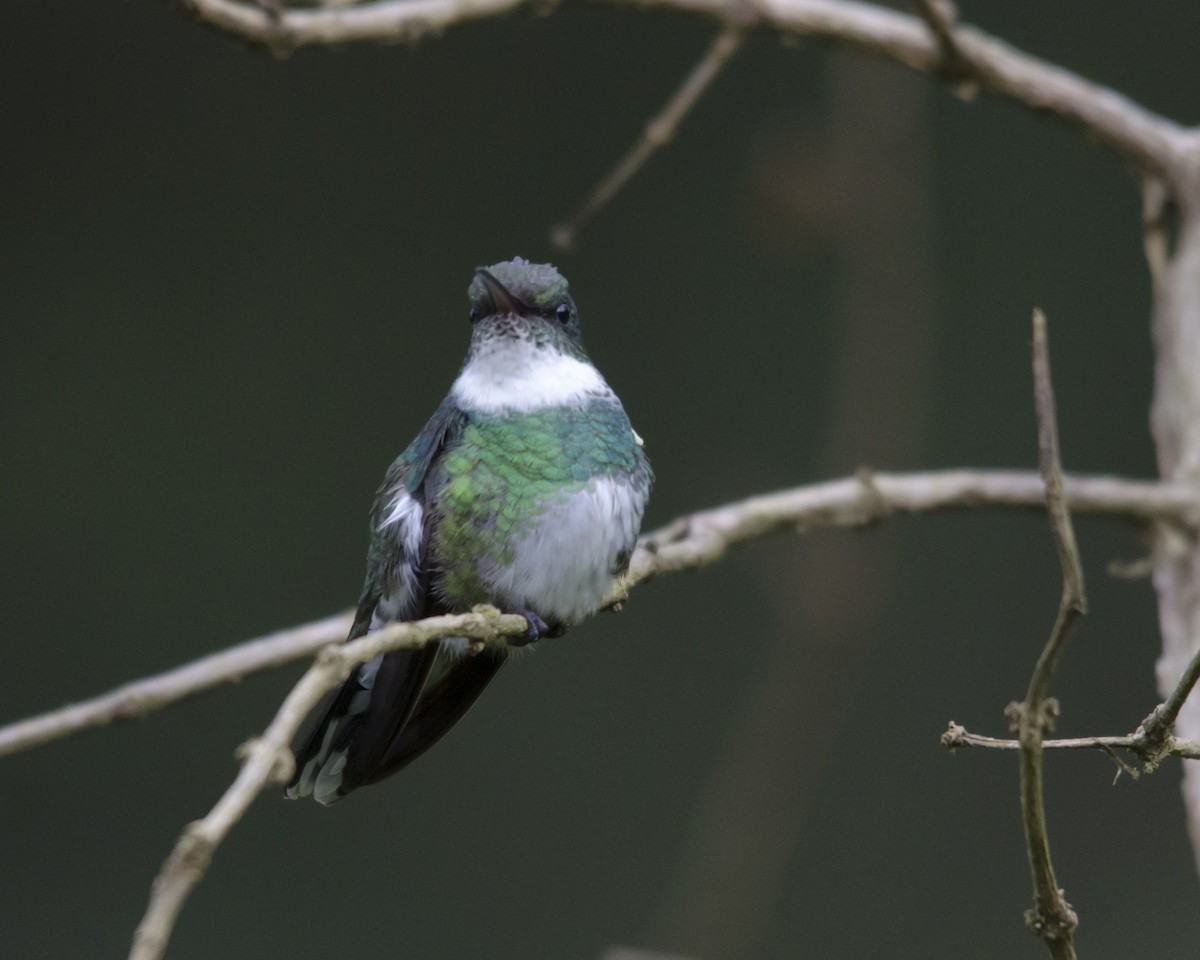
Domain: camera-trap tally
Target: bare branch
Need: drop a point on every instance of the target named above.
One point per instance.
(687, 543)
(389, 21)
(1151, 142)
(658, 133)
(1051, 917)
(702, 538)
(269, 757)
(139, 697)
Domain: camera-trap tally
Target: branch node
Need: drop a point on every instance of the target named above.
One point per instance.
(955, 67)
(1052, 922)
(283, 763)
(487, 612)
(874, 507)
(194, 850)
(954, 736)
(1156, 736)
(328, 656)
(277, 38)
(1038, 721)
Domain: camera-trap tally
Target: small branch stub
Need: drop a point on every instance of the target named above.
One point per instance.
(955, 67)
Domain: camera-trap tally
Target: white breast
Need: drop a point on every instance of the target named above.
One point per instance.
(563, 567)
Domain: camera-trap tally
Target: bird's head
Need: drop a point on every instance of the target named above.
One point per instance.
(524, 301)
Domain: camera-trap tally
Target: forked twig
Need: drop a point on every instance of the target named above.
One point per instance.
(268, 758)
(1153, 740)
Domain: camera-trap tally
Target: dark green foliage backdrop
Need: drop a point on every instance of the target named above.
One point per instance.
(234, 287)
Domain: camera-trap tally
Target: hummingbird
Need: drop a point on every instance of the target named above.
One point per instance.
(525, 490)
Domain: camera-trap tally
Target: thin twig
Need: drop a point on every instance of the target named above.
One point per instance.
(658, 133)
(1051, 917)
(269, 758)
(1151, 142)
(690, 542)
(1074, 602)
(1165, 715)
(1137, 743)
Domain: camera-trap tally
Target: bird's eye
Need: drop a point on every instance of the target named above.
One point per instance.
(563, 313)
(473, 315)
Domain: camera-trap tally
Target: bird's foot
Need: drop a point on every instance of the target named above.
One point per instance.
(538, 628)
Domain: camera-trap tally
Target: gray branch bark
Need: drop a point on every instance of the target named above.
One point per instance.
(687, 543)
(1155, 144)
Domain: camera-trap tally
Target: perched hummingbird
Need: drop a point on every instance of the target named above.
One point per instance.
(525, 490)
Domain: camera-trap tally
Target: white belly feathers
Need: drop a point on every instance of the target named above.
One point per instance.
(563, 567)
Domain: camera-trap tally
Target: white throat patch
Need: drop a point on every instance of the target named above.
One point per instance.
(514, 375)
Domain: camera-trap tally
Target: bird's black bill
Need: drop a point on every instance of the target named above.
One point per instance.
(502, 300)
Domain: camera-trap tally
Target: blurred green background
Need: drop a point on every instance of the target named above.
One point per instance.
(234, 287)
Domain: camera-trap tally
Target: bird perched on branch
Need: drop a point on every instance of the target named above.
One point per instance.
(525, 489)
